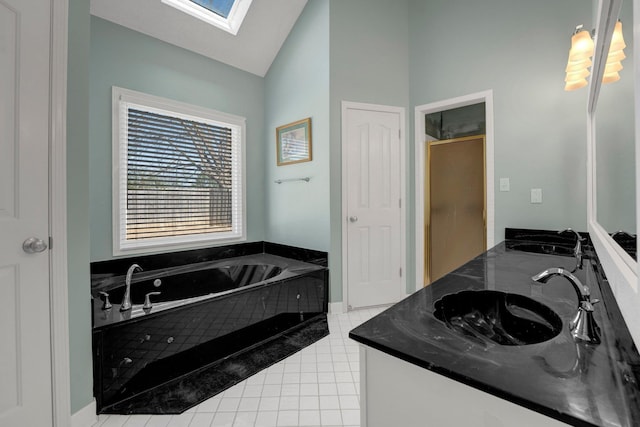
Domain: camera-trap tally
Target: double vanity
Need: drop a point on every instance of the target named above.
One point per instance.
(487, 345)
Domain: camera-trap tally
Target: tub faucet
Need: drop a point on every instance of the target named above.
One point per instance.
(126, 299)
(577, 250)
(583, 326)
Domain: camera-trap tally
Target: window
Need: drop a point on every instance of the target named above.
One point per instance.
(224, 14)
(219, 7)
(178, 174)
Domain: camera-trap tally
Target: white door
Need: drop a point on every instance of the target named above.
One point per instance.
(373, 197)
(25, 350)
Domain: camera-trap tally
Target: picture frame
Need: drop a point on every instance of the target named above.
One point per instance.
(293, 142)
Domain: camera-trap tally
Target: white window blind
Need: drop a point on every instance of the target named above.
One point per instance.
(180, 176)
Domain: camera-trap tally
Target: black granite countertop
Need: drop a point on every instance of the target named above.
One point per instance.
(577, 383)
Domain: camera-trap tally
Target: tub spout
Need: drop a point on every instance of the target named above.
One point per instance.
(126, 299)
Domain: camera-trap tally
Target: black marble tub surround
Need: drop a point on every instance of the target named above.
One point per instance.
(190, 283)
(119, 266)
(301, 254)
(208, 310)
(137, 355)
(179, 394)
(577, 383)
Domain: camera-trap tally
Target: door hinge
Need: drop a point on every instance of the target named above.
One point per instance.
(399, 134)
(50, 242)
(400, 271)
(400, 203)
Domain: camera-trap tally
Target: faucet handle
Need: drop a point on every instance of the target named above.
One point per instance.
(586, 306)
(107, 304)
(583, 326)
(147, 300)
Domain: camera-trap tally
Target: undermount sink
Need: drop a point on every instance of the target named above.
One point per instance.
(504, 318)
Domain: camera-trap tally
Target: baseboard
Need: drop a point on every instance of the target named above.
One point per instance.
(336, 307)
(85, 417)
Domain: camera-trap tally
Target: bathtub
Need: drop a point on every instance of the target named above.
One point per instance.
(205, 312)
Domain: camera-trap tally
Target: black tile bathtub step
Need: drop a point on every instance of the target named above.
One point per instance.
(195, 386)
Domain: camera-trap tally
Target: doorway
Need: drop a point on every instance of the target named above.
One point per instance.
(373, 185)
(421, 172)
(456, 204)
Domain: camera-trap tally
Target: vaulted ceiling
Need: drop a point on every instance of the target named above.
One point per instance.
(253, 49)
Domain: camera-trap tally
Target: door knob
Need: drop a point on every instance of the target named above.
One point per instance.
(33, 245)
(353, 218)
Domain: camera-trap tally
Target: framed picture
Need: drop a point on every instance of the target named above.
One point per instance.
(293, 142)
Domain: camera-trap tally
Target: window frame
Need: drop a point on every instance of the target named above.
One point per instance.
(230, 24)
(122, 246)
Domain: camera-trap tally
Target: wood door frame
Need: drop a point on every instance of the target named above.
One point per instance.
(348, 105)
(58, 275)
(427, 235)
(420, 170)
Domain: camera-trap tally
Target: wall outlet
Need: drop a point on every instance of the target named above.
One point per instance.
(505, 185)
(536, 195)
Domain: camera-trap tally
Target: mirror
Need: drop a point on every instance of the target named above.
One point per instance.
(615, 149)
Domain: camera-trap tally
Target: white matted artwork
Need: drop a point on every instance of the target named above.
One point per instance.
(293, 142)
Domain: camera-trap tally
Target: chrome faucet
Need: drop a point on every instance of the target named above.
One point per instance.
(583, 326)
(126, 299)
(622, 233)
(577, 250)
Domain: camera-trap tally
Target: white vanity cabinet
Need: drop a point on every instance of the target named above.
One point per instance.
(397, 393)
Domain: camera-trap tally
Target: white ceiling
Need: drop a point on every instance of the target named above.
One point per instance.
(261, 35)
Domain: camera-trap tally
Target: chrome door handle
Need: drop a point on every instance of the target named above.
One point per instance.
(33, 245)
(353, 218)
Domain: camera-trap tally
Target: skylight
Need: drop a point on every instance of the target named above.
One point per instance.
(224, 14)
(221, 7)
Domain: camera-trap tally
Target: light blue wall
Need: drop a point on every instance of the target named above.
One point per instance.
(81, 373)
(518, 50)
(369, 63)
(296, 87)
(128, 59)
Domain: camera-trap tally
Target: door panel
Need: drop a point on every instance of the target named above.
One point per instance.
(373, 220)
(10, 396)
(456, 216)
(8, 61)
(25, 353)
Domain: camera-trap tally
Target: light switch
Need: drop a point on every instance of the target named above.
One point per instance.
(505, 185)
(536, 195)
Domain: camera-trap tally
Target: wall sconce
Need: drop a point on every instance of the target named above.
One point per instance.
(580, 54)
(615, 57)
(579, 61)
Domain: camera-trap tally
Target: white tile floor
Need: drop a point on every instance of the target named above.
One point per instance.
(318, 386)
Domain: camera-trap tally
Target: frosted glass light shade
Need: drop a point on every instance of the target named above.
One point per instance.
(581, 46)
(613, 67)
(578, 65)
(577, 75)
(617, 41)
(575, 84)
(616, 56)
(611, 77)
